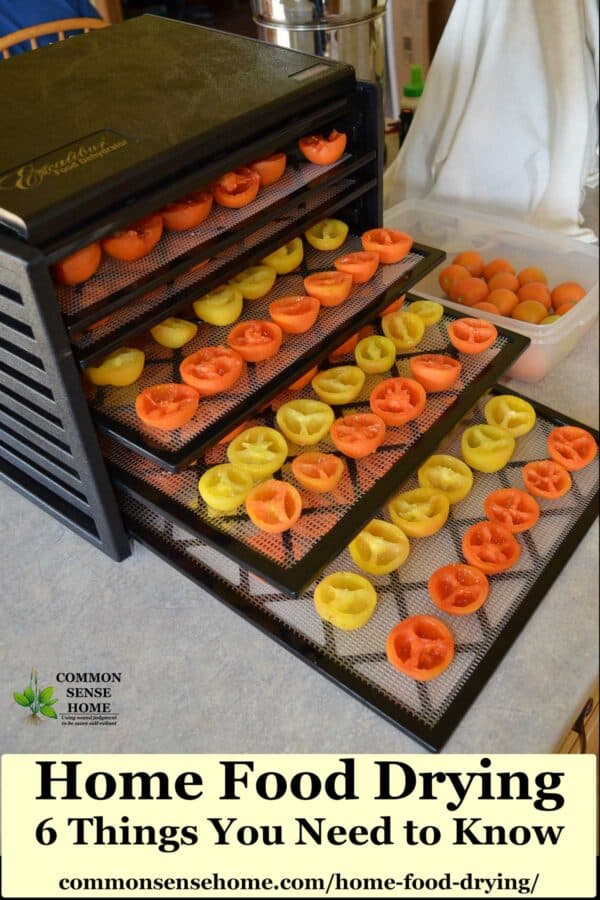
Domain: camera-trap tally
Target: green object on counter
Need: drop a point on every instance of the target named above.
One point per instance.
(416, 85)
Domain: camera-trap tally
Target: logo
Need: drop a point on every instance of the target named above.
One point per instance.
(39, 702)
(62, 161)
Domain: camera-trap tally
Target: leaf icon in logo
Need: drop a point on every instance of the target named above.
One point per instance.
(48, 711)
(21, 699)
(46, 694)
(29, 694)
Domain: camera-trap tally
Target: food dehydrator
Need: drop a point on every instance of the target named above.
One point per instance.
(129, 119)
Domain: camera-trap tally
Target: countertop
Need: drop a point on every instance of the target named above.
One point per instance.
(197, 678)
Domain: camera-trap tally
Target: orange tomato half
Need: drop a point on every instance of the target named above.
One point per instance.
(188, 212)
(323, 150)
(270, 169)
(362, 265)
(167, 406)
(434, 371)
(238, 188)
(390, 245)
(331, 288)
(77, 267)
(295, 315)
(136, 240)
(421, 647)
(211, 370)
(255, 340)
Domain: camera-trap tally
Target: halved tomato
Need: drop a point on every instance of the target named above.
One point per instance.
(77, 267)
(271, 168)
(318, 472)
(211, 370)
(490, 547)
(188, 212)
(358, 435)
(515, 509)
(227, 439)
(323, 150)
(167, 406)
(360, 264)
(295, 315)
(136, 240)
(458, 589)
(390, 245)
(421, 647)
(238, 188)
(546, 478)
(572, 447)
(435, 372)
(398, 400)
(331, 288)
(255, 340)
(274, 506)
(472, 335)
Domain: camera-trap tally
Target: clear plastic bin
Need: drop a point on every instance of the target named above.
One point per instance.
(561, 258)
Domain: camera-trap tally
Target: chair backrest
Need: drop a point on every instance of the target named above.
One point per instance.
(58, 28)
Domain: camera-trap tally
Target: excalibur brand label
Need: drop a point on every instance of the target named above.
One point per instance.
(83, 152)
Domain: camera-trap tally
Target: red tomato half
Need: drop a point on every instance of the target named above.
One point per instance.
(136, 240)
(238, 188)
(188, 212)
(458, 589)
(211, 370)
(270, 169)
(398, 400)
(391, 246)
(323, 151)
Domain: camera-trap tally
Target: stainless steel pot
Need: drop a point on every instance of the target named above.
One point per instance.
(350, 31)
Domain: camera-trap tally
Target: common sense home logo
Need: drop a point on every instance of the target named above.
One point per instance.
(39, 702)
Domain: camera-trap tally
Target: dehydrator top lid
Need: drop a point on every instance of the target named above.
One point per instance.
(85, 122)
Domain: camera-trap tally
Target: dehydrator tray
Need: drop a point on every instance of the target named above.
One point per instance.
(177, 293)
(356, 661)
(117, 283)
(114, 408)
(292, 560)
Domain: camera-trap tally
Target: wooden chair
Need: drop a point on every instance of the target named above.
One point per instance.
(59, 28)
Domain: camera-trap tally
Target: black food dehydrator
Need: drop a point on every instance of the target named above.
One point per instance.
(106, 128)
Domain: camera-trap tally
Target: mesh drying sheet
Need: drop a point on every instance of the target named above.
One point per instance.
(428, 711)
(292, 559)
(219, 414)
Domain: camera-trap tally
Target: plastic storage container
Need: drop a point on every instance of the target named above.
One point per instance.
(561, 258)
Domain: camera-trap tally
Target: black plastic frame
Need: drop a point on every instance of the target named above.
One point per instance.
(37, 371)
(432, 738)
(175, 460)
(296, 579)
